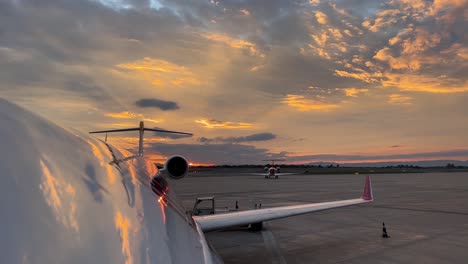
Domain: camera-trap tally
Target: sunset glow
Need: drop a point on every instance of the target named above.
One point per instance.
(250, 81)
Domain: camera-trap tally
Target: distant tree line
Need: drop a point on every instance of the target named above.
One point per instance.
(400, 166)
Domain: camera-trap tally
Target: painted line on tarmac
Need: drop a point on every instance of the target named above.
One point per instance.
(272, 246)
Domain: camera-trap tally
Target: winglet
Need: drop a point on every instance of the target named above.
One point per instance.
(367, 194)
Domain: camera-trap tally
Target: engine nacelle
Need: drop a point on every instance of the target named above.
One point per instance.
(176, 167)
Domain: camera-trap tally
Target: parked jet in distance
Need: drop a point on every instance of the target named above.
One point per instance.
(272, 170)
(93, 203)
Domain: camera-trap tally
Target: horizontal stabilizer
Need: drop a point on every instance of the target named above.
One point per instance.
(141, 131)
(138, 129)
(168, 131)
(115, 130)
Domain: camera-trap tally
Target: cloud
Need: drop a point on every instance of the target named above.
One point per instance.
(399, 99)
(250, 138)
(354, 92)
(300, 103)
(94, 60)
(213, 123)
(122, 115)
(245, 12)
(224, 153)
(234, 42)
(462, 153)
(157, 103)
(321, 18)
(160, 73)
(384, 18)
(424, 83)
(360, 74)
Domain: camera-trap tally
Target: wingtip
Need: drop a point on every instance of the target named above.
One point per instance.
(367, 194)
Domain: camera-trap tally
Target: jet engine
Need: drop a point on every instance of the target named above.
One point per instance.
(175, 167)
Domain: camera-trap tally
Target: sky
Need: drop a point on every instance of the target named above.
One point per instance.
(306, 81)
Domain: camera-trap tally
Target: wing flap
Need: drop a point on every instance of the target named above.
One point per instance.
(222, 221)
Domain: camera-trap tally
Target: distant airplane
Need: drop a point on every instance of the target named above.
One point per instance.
(272, 171)
(93, 204)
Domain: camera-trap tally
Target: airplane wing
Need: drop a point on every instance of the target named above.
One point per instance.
(221, 221)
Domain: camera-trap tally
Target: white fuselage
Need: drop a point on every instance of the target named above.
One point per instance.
(64, 203)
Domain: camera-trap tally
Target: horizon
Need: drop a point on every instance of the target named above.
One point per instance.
(417, 163)
(308, 80)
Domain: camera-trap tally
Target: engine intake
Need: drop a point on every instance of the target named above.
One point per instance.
(176, 167)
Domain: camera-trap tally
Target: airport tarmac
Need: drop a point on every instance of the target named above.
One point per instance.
(426, 216)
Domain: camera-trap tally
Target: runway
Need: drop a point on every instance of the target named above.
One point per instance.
(426, 216)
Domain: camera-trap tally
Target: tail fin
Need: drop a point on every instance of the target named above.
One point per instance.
(367, 194)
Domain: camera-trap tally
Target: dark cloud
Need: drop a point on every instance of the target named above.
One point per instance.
(244, 154)
(214, 153)
(251, 138)
(409, 156)
(156, 103)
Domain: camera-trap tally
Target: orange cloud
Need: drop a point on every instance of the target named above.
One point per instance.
(424, 83)
(383, 19)
(234, 43)
(197, 164)
(439, 5)
(212, 123)
(360, 75)
(422, 41)
(245, 12)
(315, 51)
(458, 50)
(130, 115)
(160, 72)
(257, 67)
(336, 33)
(302, 104)
(399, 99)
(353, 92)
(400, 63)
(321, 39)
(322, 18)
(122, 115)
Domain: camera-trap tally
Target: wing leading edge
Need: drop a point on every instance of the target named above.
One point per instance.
(222, 221)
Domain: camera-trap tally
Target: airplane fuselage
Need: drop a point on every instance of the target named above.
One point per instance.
(64, 195)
